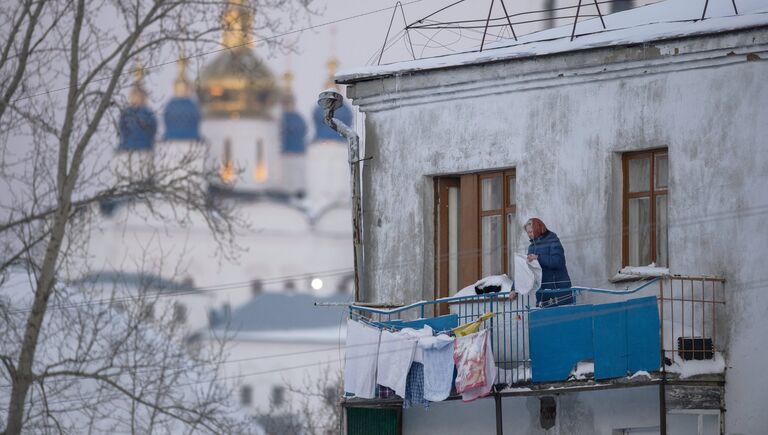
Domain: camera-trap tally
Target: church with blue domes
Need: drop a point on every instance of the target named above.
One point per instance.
(286, 178)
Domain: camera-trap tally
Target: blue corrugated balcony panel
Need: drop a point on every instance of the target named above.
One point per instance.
(643, 335)
(559, 338)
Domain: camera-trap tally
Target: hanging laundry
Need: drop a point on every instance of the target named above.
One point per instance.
(418, 334)
(414, 388)
(475, 368)
(361, 358)
(384, 392)
(438, 366)
(490, 379)
(394, 360)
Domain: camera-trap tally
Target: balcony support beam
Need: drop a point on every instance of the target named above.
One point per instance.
(499, 425)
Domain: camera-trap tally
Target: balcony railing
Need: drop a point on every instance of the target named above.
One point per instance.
(619, 332)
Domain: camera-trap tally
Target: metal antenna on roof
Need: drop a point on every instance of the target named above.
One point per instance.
(407, 35)
(706, 3)
(506, 14)
(578, 9)
(487, 21)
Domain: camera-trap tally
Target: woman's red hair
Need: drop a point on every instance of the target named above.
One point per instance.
(537, 226)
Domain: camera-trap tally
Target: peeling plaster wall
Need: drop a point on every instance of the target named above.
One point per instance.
(563, 121)
(595, 413)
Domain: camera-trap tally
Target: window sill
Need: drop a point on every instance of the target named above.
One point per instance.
(637, 273)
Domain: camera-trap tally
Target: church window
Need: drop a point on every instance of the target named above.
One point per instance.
(246, 395)
(227, 170)
(260, 170)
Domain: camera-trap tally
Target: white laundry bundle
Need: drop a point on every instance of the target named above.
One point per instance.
(527, 275)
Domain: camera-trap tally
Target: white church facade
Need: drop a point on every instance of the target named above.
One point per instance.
(290, 191)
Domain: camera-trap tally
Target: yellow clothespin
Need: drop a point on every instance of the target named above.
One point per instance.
(472, 327)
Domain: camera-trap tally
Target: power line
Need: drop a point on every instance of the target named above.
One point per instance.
(758, 210)
(219, 50)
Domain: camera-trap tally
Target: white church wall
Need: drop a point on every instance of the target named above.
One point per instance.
(245, 135)
(327, 172)
(267, 365)
(294, 172)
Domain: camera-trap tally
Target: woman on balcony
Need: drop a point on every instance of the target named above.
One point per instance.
(546, 248)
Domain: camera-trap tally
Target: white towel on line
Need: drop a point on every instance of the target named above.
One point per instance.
(360, 361)
(396, 352)
(438, 366)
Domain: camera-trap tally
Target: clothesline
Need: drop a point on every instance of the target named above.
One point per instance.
(419, 365)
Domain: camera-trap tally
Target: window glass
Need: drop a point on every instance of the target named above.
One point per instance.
(683, 424)
(511, 193)
(639, 232)
(662, 248)
(490, 193)
(491, 244)
(278, 395)
(260, 170)
(661, 167)
(640, 175)
(710, 424)
(453, 240)
(246, 395)
(227, 170)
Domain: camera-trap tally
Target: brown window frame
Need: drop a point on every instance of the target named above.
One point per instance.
(470, 231)
(506, 207)
(652, 193)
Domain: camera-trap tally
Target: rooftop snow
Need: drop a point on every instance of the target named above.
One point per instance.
(664, 20)
(289, 312)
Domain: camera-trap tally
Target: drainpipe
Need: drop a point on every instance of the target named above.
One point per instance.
(330, 100)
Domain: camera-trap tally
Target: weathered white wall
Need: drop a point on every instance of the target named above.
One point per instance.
(563, 122)
(596, 413)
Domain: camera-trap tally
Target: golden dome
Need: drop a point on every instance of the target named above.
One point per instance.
(181, 85)
(138, 95)
(237, 83)
(333, 65)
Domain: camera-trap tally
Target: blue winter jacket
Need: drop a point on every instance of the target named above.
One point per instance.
(554, 274)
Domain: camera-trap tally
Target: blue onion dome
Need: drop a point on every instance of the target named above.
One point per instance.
(322, 131)
(182, 119)
(137, 124)
(182, 114)
(293, 129)
(293, 132)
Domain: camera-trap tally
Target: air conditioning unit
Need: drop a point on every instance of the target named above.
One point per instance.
(695, 348)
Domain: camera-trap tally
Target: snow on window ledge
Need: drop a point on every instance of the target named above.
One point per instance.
(636, 273)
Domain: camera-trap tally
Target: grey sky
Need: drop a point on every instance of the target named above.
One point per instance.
(356, 41)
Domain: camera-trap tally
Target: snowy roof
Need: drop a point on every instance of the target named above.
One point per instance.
(132, 280)
(659, 21)
(289, 317)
